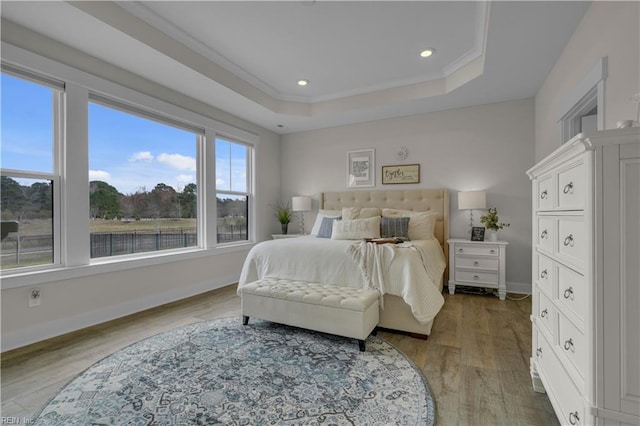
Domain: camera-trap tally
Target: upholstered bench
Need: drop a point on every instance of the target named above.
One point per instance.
(348, 312)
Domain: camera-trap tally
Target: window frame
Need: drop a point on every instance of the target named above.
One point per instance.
(73, 150)
(58, 90)
(249, 191)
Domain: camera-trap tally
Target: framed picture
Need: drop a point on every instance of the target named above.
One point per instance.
(361, 168)
(477, 233)
(405, 173)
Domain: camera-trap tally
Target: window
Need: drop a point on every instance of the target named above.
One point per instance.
(233, 162)
(28, 165)
(142, 183)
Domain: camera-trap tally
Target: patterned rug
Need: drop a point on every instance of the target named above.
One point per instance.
(221, 372)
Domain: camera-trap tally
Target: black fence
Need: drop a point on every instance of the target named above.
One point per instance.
(118, 243)
(32, 250)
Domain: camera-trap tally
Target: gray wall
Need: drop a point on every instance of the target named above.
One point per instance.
(610, 29)
(488, 147)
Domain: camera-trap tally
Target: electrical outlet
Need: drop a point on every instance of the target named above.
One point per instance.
(35, 297)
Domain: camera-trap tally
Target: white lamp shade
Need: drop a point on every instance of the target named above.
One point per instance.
(300, 204)
(472, 200)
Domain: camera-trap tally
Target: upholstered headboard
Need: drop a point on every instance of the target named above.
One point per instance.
(436, 200)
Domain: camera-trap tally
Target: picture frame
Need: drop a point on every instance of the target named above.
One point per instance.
(402, 173)
(477, 233)
(361, 168)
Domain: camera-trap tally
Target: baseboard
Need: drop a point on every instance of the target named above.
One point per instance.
(519, 288)
(39, 332)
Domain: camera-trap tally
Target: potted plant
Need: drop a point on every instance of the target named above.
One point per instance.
(284, 214)
(492, 223)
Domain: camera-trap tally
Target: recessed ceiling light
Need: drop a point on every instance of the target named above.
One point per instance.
(427, 52)
(303, 82)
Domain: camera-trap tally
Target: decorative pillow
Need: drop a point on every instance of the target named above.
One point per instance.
(321, 215)
(421, 224)
(349, 213)
(394, 227)
(356, 229)
(326, 227)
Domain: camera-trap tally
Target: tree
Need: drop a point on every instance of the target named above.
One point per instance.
(104, 200)
(12, 197)
(188, 200)
(162, 201)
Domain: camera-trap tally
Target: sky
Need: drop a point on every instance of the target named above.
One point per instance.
(127, 151)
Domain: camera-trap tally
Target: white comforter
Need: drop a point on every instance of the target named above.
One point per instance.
(412, 270)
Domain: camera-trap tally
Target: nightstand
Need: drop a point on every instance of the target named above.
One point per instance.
(283, 236)
(478, 264)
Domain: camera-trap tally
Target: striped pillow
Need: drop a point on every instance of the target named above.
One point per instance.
(326, 227)
(394, 227)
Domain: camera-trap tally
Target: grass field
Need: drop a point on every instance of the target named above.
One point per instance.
(43, 226)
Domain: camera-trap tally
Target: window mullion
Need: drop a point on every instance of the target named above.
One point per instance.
(74, 171)
(207, 190)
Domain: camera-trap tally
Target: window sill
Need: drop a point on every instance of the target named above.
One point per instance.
(121, 263)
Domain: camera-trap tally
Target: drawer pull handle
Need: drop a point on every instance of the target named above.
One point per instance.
(544, 234)
(476, 263)
(573, 418)
(544, 313)
(460, 250)
(568, 344)
(569, 241)
(568, 293)
(538, 352)
(544, 274)
(492, 251)
(475, 277)
(568, 188)
(544, 195)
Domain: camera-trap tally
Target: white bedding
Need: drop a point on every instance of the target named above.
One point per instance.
(412, 270)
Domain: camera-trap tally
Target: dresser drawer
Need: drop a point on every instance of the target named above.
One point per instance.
(572, 241)
(563, 393)
(546, 233)
(572, 292)
(573, 344)
(546, 313)
(546, 193)
(488, 279)
(477, 249)
(477, 262)
(572, 187)
(546, 273)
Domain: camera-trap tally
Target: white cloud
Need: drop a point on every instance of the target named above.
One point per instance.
(185, 179)
(178, 161)
(99, 175)
(145, 156)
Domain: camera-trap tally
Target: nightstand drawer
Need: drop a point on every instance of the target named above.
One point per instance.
(477, 249)
(477, 262)
(486, 278)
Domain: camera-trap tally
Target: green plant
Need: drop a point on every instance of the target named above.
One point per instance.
(283, 212)
(491, 220)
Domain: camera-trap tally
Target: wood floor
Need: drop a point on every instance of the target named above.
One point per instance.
(476, 360)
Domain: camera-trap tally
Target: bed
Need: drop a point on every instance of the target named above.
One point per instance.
(410, 274)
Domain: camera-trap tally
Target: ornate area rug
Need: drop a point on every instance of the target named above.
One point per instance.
(221, 372)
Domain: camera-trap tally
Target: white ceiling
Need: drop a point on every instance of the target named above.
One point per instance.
(361, 57)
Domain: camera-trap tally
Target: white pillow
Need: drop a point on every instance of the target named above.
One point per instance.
(322, 214)
(356, 229)
(359, 212)
(421, 224)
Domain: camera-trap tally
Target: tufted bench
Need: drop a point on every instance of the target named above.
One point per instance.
(348, 312)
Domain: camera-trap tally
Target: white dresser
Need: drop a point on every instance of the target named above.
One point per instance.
(586, 278)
